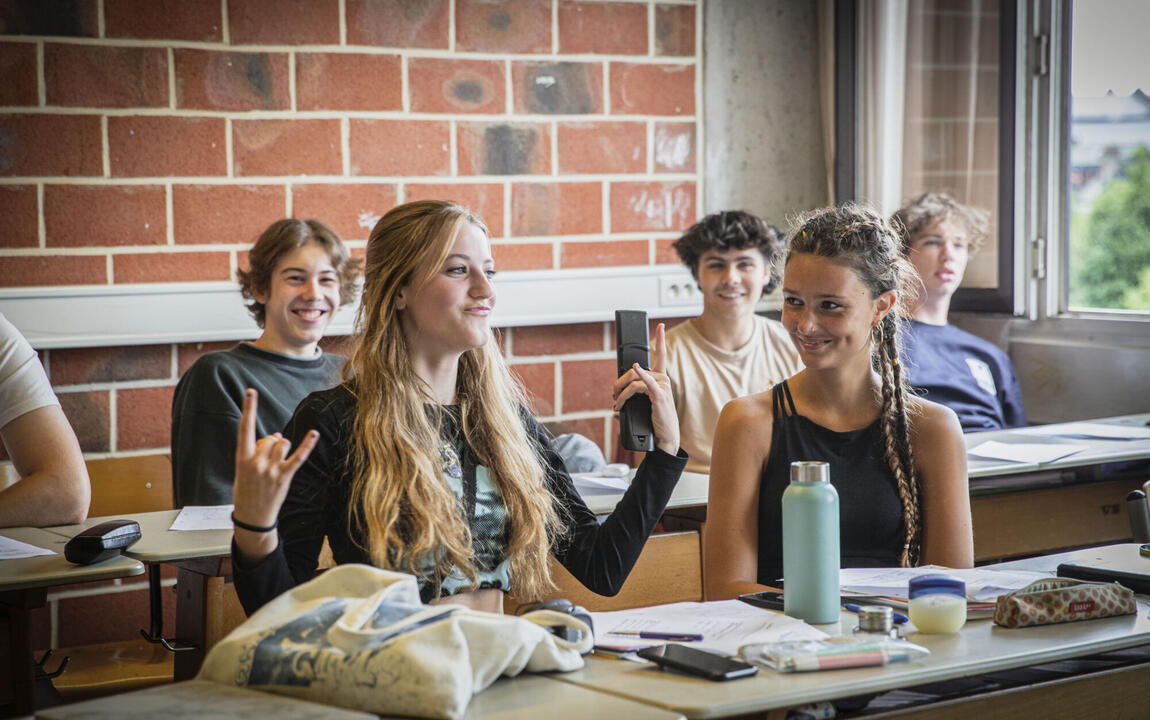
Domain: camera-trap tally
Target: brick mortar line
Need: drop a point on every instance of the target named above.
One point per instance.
(287, 114)
(605, 201)
(418, 53)
(113, 423)
(105, 148)
(451, 28)
(116, 384)
(345, 145)
(343, 22)
(225, 24)
(557, 384)
(170, 214)
(651, 29)
(41, 223)
(41, 80)
(101, 250)
(281, 181)
(172, 100)
(577, 415)
(651, 150)
(554, 27)
(178, 249)
(293, 100)
(404, 85)
(229, 148)
(572, 357)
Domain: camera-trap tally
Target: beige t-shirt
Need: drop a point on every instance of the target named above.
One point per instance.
(704, 377)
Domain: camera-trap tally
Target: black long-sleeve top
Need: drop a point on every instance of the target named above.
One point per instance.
(599, 555)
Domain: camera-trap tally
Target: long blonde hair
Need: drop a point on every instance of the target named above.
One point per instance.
(399, 499)
(867, 243)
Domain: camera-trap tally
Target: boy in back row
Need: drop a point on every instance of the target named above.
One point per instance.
(300, 274)
(728, 351)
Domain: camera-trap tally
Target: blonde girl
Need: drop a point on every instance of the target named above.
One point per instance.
(424, 459)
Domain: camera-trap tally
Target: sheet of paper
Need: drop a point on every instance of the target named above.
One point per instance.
(12, 549)
(204, 517)
(587, 483)
(1092, 430)
(1024, 452)
(982, 584)
(725, 625)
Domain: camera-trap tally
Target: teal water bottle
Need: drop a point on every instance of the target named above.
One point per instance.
(811, 544)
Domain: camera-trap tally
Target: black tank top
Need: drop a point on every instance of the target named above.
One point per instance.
(871, 530)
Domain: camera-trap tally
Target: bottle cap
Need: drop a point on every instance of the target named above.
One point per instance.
(810, 472)
(936, 583)
(875, 618)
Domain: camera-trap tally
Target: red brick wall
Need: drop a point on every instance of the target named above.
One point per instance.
(151, 141)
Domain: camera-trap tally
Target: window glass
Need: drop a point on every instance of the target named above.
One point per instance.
(951, 131)
(1108, 254)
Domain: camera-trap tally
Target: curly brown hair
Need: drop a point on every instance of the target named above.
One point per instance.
(929, 208)
(732, 230)
(279, 239)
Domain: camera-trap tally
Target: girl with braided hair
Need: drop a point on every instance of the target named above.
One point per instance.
(897, 461)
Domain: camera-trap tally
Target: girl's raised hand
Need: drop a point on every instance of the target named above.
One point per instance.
(656, 385)
(263, 469)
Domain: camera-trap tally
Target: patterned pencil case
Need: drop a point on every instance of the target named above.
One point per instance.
(1060, 600)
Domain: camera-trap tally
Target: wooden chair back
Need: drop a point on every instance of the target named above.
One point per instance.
(141, 483)
(670, 569)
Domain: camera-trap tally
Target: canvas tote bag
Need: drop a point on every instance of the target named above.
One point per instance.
(358, 637)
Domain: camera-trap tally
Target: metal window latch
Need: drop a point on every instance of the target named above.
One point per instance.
(1039, 258)
(1042, 53)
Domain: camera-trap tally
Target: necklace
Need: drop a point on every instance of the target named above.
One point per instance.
(449, 460)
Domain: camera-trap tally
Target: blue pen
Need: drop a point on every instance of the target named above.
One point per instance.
(650, 635)
(897, 617)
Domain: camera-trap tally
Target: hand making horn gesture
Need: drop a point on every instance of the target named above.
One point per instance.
(263, 474)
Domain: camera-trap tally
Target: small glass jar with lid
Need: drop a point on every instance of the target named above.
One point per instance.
(937, 603)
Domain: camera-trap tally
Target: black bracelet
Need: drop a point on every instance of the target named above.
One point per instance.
(254, 528)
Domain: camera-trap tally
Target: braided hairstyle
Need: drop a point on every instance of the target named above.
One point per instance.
(864, 241)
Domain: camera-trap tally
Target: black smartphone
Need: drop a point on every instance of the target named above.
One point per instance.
(696, 662)
(632, 346)
(767, 599)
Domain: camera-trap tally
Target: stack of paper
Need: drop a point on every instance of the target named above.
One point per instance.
(725, 626)
(890, 584)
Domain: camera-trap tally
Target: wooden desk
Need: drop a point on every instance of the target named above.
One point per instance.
(690, 492)
(1023, 509)
(979, 648)
(1017, 508)
(203, 559)
(23, 588)
(527, 697)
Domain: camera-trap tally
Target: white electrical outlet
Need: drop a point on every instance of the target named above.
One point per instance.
(678, 290)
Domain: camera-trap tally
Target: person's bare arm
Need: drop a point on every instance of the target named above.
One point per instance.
(53, 488)
(731, 542)
(940, 456)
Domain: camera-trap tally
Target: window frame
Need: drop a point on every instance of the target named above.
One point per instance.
(1004, 297)
(1044, 108)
